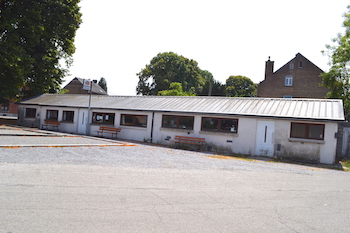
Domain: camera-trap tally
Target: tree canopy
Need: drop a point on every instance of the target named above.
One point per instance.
(175, 89)
(211, 86)
(240, 86)
(34, 36)
(337, 78)
(167, 68)
(103, 84)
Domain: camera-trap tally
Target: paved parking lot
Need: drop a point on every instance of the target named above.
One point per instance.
(53, 182)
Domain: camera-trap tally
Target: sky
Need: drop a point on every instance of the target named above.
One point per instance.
(117, 39)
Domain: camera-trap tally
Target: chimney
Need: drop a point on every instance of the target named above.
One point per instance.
(268, 68)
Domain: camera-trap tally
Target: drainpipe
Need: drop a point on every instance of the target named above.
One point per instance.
(152, 127)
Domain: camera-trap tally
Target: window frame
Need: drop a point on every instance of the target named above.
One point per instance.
(71, 118)
(104, 121)
(32, 113)
(219, 125)
(5, 107)
(307, 132)
(291, 66)
(134, 120)
(177, 122)
(288, 81)
(48, 116)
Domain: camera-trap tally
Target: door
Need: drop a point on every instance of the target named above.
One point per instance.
(265, 138)
(82, 120)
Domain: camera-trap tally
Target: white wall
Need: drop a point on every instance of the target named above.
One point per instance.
(241, 143)
(322, 151)
(67, 127)
(328, 151)
(29, 122)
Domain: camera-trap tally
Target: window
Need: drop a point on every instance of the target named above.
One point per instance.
(307, 131)
(52, 115)
(134, 120)
(5, 107)
(103, 118)
(291, 65)
(30, 112)
(68, 116)
(181, 122)
(300, 65)
(220, 124)
(289, 80)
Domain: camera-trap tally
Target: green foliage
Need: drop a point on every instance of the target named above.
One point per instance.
(103, 83)
(212, 87)
(240, 86)
(167, 68)
(34, 36)
(346, 164)
(337, 78)
(175, 89)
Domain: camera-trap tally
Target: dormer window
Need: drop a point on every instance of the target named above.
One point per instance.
(288, 81)
(291, 65)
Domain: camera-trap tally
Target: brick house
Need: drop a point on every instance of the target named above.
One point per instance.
(76, 87)
(298, 78)
(9, 109)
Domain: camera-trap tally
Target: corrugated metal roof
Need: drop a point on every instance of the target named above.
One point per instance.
(318, 109)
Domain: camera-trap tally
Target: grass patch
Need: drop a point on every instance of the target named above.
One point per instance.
(345, 164)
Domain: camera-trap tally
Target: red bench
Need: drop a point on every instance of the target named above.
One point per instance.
(53, 124)
(106, 129)
(189, 140)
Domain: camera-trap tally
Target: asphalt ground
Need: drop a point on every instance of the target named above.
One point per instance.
(15, 136)
(54, 182)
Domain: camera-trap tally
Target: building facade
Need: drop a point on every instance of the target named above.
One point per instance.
(298, 78)
(297, 129)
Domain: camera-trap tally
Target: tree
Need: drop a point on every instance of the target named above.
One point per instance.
(208, 83)
(218, 89)
(240, 86)
(34, 36)
(337, 78)
(103, 84)
(211, 86)
(167, 68)
(175, 89)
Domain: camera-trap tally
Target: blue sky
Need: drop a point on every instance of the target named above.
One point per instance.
(226, 37)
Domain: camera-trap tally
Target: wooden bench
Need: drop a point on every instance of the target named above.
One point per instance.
(189, 140)
(48, 123)
(106, 129)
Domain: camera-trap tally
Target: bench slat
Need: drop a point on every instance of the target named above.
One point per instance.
(48, 123)
(189, 140)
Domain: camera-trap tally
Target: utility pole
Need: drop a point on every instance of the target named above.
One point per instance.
(89, 109)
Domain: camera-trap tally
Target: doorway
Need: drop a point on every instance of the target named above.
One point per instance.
(265, 138)
(82, 120)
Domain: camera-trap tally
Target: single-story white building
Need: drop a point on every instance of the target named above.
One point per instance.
(299, 129)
